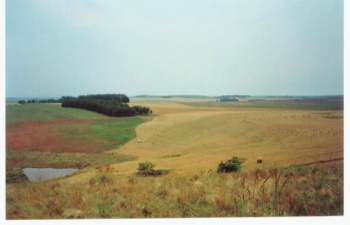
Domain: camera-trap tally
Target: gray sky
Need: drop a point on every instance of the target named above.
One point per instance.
(257, 47)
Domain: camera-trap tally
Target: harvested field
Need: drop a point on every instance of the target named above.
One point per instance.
(202, 137)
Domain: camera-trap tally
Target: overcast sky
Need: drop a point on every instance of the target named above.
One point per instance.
(163, 47)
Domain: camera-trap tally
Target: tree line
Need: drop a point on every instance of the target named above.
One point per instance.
(228, 99)
(107, 104)
(24, 101)
(50, 100)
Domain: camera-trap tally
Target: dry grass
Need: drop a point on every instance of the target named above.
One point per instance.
(264, 192)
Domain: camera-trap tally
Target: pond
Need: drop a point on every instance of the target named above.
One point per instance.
(42, 174)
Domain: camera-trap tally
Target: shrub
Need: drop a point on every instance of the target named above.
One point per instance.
(146, 169)
(231, 165)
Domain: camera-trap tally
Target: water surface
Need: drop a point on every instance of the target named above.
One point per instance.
(42, 174)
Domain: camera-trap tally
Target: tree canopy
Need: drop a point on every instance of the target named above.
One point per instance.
(108, 104)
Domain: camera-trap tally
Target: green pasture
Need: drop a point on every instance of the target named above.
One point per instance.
(116, 131)
(36, 112)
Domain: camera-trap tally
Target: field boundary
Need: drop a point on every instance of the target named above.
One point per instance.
(321, 161)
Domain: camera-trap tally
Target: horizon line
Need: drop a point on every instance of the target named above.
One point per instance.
(194, 95)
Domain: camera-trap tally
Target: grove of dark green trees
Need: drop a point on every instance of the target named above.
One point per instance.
(107, 104)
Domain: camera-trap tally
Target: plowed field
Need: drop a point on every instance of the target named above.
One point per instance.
(53, 136)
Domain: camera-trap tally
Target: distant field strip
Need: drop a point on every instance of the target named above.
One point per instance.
(276, 104)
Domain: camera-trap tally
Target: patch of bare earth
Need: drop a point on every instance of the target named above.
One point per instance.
(49, 136)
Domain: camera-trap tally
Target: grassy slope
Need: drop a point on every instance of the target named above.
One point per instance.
(103, 194)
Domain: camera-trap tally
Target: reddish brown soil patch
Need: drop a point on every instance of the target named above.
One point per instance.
(52, 136)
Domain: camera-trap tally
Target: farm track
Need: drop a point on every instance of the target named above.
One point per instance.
(321, 161)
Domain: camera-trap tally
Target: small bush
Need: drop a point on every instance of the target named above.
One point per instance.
(146, 169)
(143, 166)
(231, 165)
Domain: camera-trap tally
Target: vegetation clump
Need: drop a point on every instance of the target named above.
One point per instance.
(146, 169)
(28, 101)
(231, 165)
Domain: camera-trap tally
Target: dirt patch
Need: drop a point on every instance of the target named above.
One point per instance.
(52, 136)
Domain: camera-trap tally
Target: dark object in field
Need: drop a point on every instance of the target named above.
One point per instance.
(260, 160)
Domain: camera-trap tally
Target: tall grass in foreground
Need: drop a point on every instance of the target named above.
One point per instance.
(299, 191)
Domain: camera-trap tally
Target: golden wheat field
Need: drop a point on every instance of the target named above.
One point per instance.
(184, 138)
